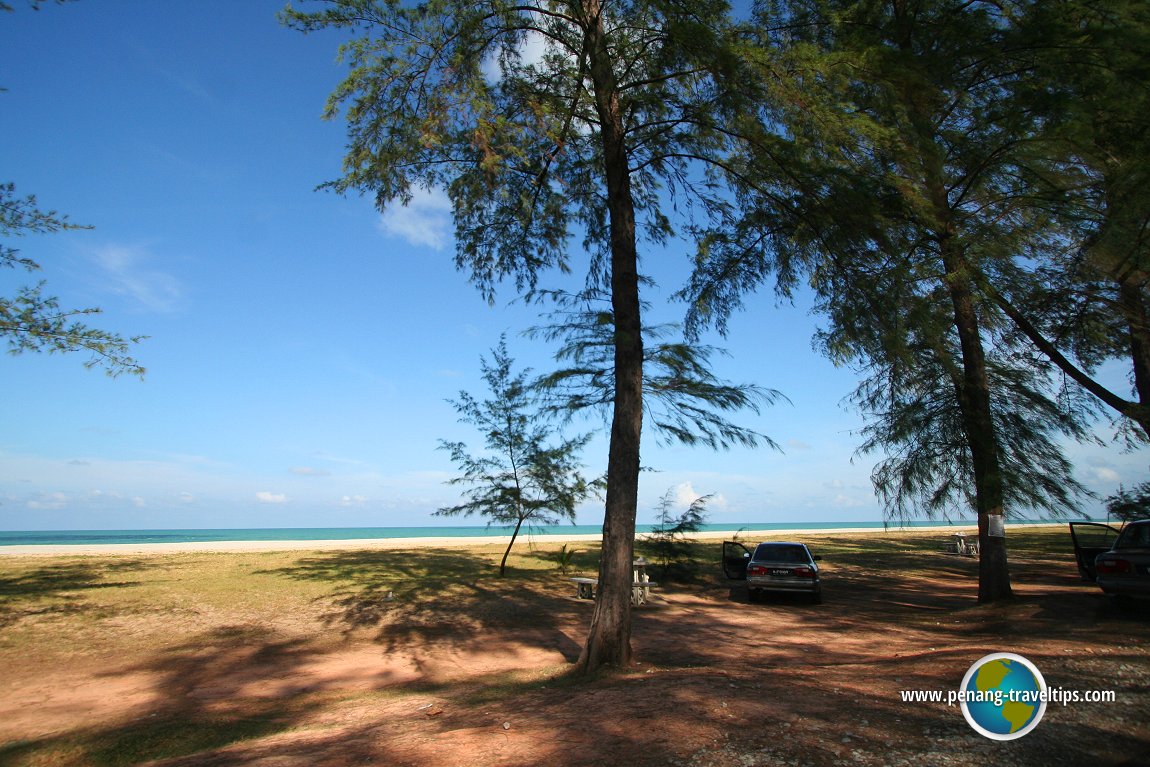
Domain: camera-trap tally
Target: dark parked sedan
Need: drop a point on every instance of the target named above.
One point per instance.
(779, 566)
(1124, 571)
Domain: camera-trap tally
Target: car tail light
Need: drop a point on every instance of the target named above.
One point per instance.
(804, 572)
(1113, 566)
(756, 570)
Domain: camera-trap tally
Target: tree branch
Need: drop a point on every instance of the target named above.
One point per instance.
(1138, 412)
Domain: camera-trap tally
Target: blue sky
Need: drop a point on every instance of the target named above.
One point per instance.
(302, 346)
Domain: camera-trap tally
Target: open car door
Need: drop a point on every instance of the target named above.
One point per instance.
(1090, 540)
(735, 558)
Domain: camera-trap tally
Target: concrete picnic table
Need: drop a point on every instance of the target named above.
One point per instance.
(640, 585)
(959, 543)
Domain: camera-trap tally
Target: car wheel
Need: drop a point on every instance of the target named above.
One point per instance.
(817, 597)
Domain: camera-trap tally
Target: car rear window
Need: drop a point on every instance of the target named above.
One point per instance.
(780, 552)
(1134, 537)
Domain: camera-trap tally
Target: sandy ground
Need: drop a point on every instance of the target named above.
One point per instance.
(356, 677)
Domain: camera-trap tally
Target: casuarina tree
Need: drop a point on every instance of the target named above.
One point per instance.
(526, 473)
(33, 322)
(892, 166)
(549, 124)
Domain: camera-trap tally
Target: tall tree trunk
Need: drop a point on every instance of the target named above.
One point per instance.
(609, 638)
(1133, 302)
(978, 423)
(973, 386)
(514, 535)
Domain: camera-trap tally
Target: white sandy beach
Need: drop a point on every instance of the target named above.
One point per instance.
(240, 546)
(56, 550)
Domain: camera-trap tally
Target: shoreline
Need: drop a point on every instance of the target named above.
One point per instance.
(224, 547)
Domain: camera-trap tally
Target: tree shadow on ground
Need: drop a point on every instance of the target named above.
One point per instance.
(58, 588)
(719, 681)
(420, 598)
(915, 625)
(227, 685)
(905, 586)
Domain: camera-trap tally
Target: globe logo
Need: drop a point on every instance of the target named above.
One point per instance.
(1003, 696)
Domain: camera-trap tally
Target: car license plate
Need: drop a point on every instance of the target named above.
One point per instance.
(778, 571)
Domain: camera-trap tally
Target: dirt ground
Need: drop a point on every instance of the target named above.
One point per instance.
(718, 682)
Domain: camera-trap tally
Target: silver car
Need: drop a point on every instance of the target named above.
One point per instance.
(1124, 571)
(779, 566)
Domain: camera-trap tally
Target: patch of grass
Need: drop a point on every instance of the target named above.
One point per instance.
(60, 586)
(508, 685)
(174, 736)
(77, 606)
(915, 553)
(584, 558)
(429, 594)
(138, 742)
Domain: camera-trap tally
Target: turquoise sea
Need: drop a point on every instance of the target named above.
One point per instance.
(89, 537)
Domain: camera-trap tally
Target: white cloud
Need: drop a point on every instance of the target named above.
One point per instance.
(338, 459)
(1106, 474)
(490, 68)
(718, 502)
(684, 494)
(36, 492)
(125, 273)
(425, 221)
(48, 501)
(308, 471)
(532, 48)
(189, 84)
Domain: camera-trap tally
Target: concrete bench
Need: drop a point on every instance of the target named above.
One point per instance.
(961, 544)
(640, 590)
(585, 587)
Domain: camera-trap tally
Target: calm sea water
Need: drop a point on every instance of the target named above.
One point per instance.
(88, 537)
